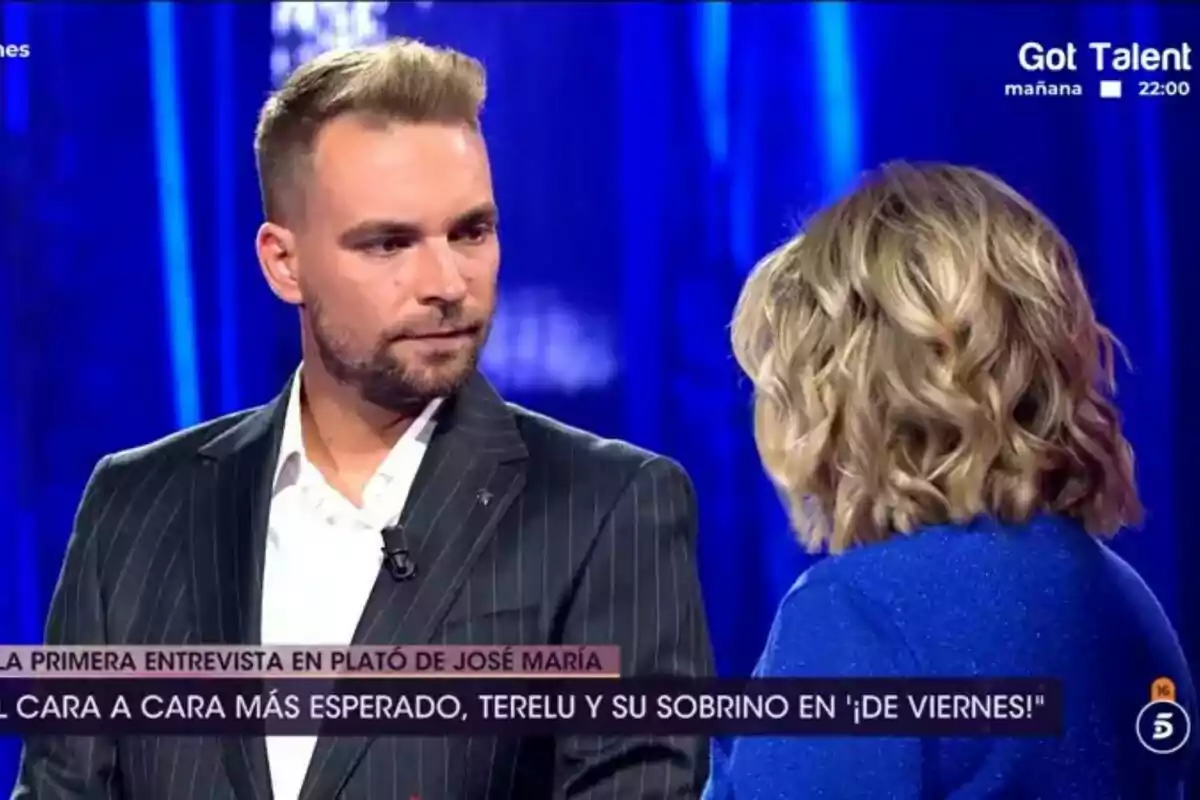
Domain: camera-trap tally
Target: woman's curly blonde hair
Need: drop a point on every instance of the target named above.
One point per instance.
(925, 352)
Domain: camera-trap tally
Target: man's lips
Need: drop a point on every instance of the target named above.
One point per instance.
(456, 333)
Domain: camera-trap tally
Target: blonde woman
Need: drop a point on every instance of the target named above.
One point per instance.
(933, 400)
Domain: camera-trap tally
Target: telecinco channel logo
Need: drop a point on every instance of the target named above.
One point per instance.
(1163, 726)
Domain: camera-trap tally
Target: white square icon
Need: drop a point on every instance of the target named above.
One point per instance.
(1110, 88)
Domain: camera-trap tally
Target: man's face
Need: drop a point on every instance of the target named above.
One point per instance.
(397, 257)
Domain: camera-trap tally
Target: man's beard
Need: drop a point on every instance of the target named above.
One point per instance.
(384, 380)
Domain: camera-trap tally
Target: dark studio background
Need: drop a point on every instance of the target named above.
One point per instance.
(645, 155)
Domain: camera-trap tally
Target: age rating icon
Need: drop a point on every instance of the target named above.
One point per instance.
(1163, 726)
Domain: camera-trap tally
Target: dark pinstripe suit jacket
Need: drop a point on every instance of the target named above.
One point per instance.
(586, 541)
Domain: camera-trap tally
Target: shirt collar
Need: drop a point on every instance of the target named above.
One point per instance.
(293, 458)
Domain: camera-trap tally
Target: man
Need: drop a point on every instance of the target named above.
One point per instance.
(505, 527)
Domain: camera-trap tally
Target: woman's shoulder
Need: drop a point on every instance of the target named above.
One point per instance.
(1001, 569)
(970, 553)
(940, 599)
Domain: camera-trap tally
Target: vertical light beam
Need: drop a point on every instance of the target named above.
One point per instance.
(225, 213)
(1156, 272)
(173, 211)
(26, 597)
(644, 85)
(16, 79)
(730, 159)
(834, 52)
(712, 67)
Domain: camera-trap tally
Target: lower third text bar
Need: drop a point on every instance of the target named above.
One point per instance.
(544, 707)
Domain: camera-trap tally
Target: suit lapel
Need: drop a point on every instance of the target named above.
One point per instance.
(472, 472)
(231, 506)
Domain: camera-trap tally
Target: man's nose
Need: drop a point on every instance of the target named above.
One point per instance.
(439, 278)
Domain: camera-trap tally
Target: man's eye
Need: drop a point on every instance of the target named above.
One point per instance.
(477, 233)
(391, 244)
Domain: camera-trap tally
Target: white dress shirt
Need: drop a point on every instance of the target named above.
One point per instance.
(322, 558)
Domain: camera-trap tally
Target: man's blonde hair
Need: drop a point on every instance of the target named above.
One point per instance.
(925, 352)
(401, 80)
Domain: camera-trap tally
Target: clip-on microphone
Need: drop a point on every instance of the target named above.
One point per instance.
(396, 557)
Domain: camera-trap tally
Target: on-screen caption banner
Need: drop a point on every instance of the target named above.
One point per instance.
(522, 707)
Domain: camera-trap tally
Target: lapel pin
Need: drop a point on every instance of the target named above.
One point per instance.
(484, 497)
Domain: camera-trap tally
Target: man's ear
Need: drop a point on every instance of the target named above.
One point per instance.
(276, 247)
